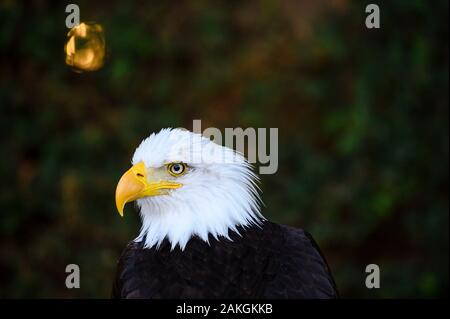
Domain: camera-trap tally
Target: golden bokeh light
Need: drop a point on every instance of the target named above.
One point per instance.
(85, 47)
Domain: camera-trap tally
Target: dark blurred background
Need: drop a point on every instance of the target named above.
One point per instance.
(362, 117)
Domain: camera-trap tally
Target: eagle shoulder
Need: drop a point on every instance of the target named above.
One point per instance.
(304, 271)
(125, 285)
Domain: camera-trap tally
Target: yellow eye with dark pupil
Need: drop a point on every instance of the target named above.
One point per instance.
(176, 169)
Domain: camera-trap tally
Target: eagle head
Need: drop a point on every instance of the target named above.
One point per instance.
(185, 185)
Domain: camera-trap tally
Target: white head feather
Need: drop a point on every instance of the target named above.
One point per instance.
(219, 190)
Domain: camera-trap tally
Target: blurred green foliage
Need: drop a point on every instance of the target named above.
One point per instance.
(362, 116)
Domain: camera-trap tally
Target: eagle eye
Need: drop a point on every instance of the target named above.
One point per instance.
(176, 169)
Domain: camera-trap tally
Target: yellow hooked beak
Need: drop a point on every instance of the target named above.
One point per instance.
(135, 183)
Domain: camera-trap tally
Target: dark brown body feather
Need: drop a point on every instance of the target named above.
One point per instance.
(271, 261)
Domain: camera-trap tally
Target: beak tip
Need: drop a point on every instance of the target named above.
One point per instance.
(120, 209)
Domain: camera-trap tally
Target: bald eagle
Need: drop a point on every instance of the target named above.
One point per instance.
(203, 235)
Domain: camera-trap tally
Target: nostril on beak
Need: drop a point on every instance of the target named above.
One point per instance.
(139, 175)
